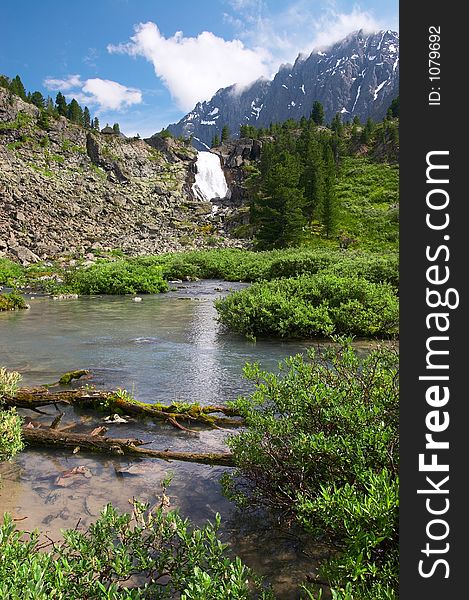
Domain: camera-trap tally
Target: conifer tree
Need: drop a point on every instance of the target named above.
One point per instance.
(116, 128)
(37, 99)
(225, 134)
(96, 123)
(313, 174)
(368, 131)
(317, 113)
(329, 209)
(75, 112)
(336, 124)
(17, 87)
(61, 104)
(215, 141)
(277, 210)
(86, 118)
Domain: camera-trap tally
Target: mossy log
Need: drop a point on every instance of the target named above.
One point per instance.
(112, 402)
(39, 436)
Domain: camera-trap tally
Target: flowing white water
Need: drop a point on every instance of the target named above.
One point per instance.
(210, 180)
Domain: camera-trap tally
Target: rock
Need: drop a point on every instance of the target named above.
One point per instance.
(114, 419)
(24, 255)
(136, 299)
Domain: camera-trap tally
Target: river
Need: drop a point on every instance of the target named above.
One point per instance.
(166, 347)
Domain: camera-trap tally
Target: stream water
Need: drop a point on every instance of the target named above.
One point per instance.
(166, 347)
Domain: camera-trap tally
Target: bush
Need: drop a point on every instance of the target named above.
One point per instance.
(120, 277)
(10, 272)
(10, 422)
(244, 265)
(309, 306)
(10, 434)
(12, 301)
(321, 445)
(160, 552)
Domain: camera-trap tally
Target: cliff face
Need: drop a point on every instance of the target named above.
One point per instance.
(69, 191)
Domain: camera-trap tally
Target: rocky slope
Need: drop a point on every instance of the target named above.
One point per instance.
(65, 190)
(357, 76)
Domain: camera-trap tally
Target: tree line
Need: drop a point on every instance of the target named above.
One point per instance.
(292, 189)
(58, 108)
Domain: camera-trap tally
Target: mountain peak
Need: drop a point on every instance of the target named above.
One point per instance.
(355, 76)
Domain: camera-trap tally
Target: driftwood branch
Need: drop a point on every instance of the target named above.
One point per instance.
(33, 398)
(129, 447)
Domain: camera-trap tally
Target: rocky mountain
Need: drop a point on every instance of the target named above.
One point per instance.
(66, 190)
(356, 76)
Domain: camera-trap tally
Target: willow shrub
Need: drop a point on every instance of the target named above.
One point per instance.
(245, 265)
(12, 301)
(10, 423)
(321, 447)
(10, 272)
(143, 555)
(309, 306)
(119, 277)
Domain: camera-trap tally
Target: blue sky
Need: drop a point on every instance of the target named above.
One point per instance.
(145, 63)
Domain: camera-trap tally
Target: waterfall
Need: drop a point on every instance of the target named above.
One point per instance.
(210, 180)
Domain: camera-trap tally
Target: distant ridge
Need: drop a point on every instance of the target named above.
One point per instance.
(356, 76)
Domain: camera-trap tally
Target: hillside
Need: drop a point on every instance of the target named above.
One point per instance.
(66, 190)
(358, 76)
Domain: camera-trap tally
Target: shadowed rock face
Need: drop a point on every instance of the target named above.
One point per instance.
(357, 76)
(71, 191)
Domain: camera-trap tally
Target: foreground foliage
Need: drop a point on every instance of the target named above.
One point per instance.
(12, 301)
(308, 306)
(146, 554)
(321, 446)
(10, 422)
(120, 277)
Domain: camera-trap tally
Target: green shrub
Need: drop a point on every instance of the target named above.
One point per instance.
(10, 422)
(119, 277)
(10, 272)
(10, 434)
(308, 306)
(321, 446)
(163, 555)
(12, 301)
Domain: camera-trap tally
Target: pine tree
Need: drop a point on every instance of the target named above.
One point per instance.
(75, 112)
(96, 123)
(395, 107)
(49, 106)
(317, 113)
(368, 131)
(225, 134)
(61, 104)
(215, 141)
(116, 128)
(17, 87)
(329, 210)
(37, 99)
(5, 82)
(86, 118)
(313, 173)
(336, 124)
(277, 210)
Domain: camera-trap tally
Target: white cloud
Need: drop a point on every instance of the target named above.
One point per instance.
(194, 68)
(110, 94)
(299, 27)
(63, 85)
(102, 93)
(336, 26)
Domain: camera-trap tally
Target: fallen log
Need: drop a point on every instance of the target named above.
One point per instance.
(33, 398)
(129, 447)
